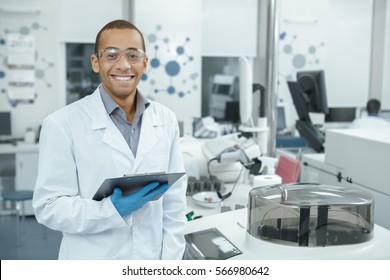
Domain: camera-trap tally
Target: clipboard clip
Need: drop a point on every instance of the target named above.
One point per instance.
(144, 174)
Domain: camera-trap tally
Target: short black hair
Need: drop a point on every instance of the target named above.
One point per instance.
(373, 106)
(118, 24)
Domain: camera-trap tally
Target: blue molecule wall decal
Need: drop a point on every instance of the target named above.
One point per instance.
(172, 60)
(299, 59)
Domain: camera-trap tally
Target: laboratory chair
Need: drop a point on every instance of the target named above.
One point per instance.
(19, 197)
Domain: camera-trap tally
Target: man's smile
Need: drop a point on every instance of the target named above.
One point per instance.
(123, 77)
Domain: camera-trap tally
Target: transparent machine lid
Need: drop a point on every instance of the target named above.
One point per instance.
(311, 214)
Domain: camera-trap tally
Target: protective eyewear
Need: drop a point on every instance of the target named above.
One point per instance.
(112, 55)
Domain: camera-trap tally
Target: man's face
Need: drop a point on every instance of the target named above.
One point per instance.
(119, 78)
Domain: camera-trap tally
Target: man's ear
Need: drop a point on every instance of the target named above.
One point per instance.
(95, 63)
(145, 62)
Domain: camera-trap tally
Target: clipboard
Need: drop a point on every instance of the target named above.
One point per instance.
(131, 183)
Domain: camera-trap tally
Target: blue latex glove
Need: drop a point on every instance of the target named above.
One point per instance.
(126, 204)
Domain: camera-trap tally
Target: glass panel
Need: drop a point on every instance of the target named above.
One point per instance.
(80, 79)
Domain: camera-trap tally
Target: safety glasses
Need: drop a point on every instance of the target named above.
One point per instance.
(112, 55)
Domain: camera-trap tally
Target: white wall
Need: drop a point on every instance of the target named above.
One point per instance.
(349, 52)
(378, 40)
(229, 28)
(386, 68)
(80, 21)
(329, 35)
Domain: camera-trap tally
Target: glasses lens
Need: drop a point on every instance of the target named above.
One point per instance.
(110, 55)
(134, 55)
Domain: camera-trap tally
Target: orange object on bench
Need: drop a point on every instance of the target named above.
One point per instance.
(288, 168)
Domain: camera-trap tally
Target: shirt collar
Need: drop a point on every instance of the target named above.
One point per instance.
(111, 105)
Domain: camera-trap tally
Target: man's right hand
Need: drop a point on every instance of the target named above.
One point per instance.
(127, 204)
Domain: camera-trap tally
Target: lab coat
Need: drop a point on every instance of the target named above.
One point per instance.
(370, 122)
(80, 146)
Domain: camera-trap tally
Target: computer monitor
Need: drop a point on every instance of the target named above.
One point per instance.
(232, 112)
(222, 91)
(5, 124)
(313, 90)
(309, 96)
(299, 101)
(246, 90)
(341, 114)
(223, 84)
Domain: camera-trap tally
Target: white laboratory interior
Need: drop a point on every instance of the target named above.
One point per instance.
(266, 94)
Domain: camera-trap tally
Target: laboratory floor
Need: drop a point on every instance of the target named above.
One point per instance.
(36, 242)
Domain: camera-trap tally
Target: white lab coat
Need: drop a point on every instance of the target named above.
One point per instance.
(370, 122)
(80, 146)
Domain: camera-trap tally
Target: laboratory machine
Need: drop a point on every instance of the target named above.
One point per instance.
(310, 215)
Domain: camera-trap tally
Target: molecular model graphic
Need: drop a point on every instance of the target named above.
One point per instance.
(176, 60)
(298, 59)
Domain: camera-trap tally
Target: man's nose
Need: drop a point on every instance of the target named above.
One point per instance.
(123, 61)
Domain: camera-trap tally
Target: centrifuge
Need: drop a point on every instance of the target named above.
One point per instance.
(310, 215)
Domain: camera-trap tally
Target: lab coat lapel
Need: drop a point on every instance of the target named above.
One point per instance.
(150, 136)
(101, 120)
(114, 139)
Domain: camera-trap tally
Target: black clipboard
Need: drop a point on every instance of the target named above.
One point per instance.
(132, 183)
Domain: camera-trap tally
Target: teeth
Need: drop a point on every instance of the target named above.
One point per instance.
(121, 78)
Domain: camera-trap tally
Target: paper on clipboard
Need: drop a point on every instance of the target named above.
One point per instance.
(132, 183)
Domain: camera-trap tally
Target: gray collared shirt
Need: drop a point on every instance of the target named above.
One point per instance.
(130, 131)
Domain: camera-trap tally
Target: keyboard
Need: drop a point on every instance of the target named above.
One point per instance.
(214, 147)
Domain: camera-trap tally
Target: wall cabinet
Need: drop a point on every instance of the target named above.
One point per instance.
(26, 165)
(26, 170)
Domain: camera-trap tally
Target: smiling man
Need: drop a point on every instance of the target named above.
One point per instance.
(120, 60)
(112, 132)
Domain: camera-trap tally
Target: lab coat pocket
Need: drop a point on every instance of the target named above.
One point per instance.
(158, 163)
(90, 246)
